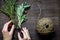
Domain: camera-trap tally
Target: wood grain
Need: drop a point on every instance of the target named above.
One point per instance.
(39, 9)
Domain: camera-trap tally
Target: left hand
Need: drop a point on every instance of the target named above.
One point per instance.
(26, 35)
(7, 35)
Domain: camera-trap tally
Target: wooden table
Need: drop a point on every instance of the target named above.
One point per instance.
(38, 9)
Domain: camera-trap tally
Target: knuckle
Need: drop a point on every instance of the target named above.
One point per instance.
(25, 38)
(27, 30)
(5, 23)
(4, 31)
(29, 38)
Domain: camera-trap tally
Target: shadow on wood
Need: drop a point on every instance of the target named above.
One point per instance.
(47, 37)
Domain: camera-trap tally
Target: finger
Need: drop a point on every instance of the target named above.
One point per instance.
(24, 28)
(12, 29)
(19, 37)
(6, 26)
(24, 35)
(26, 32)
(8, 22)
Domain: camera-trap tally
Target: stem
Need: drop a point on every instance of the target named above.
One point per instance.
(13, 20)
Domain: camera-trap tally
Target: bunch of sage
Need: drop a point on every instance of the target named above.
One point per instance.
(8, 8)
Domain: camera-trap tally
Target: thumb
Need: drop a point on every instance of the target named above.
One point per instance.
(19, 37)
(12, 29)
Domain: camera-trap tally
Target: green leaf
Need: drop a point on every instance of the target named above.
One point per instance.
(20, 10)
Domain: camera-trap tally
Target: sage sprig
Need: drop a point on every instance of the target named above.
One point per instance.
(8, 8)
(20, 10)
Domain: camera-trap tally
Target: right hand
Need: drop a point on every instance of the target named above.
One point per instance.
(26, 35)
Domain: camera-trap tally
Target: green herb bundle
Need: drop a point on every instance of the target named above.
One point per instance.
(20, 10)
(8, 9)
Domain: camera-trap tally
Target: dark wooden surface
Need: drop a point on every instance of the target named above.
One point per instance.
(39, 9)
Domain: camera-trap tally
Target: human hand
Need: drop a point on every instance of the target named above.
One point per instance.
(26, 35)
(7, 35)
